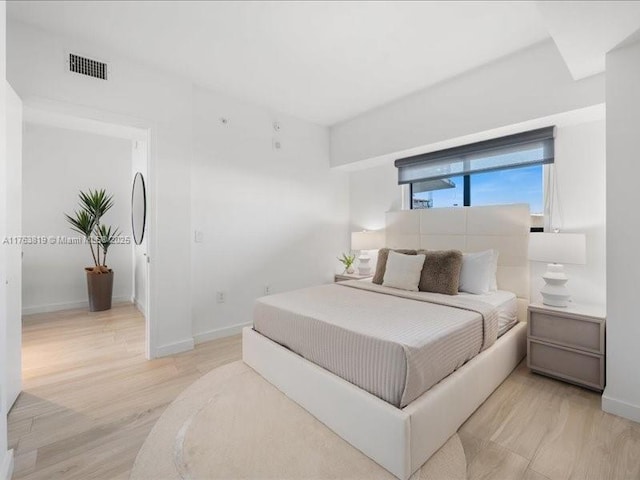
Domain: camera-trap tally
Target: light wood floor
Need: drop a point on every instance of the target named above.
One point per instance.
(536, 428)
(90, 399)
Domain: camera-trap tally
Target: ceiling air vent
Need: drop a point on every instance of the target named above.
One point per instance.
(86, 66)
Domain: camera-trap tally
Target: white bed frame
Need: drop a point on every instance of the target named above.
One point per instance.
(401, 440)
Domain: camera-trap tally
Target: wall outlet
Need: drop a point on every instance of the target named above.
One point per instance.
(198, 236)
(267, 289)
(221, 297)
(276, 144)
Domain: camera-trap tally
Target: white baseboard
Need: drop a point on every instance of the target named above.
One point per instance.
(56, 307)
(220, 333)
(139, 306)
(6, 467)
(620, 408)
(173, 348)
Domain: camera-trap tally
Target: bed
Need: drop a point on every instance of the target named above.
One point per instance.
(408, 384)
(391, 343)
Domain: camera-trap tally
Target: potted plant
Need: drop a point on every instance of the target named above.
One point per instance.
(347, 260)
(87, 221)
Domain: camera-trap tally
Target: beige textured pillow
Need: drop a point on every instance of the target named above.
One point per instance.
(381, 265)
(441, 271)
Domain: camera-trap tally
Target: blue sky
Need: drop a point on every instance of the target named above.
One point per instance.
(518, 185)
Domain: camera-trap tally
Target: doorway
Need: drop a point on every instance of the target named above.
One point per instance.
(64, 154)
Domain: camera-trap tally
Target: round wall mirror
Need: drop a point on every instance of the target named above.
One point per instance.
(138, 208)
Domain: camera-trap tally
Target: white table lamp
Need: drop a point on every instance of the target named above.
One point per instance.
(364, 241)
(557, 249)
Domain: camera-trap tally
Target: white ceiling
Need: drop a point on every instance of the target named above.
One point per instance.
(321, 61)
(585, 31)
(329, 61)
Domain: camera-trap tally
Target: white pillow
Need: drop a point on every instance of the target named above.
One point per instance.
(494, 275)
(403, 271)
(478, 271)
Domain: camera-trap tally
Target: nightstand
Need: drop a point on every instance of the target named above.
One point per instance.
(341, 277)
(567, 343)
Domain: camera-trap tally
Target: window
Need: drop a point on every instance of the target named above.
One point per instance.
(498, 171)
(517, 185)
(513, 185)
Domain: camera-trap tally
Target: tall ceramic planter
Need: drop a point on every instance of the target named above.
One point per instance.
(100, 290)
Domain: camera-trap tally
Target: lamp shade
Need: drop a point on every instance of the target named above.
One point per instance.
(558, 248)
(367, 240)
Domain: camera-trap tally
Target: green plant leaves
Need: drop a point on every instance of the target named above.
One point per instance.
(96, 202)
(347, 259)
(106, 236)
(83, 222)
(86, 221)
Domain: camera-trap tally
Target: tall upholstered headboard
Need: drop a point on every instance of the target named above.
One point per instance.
(471, 229)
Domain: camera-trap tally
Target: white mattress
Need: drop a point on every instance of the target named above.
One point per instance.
(507, 305)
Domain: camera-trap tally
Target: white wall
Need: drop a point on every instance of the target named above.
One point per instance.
(57, 164)
(622, 395)
(372, 192)
(580, 204)
(137, 96)
(530, 84)
(580, 207)
(268, 217)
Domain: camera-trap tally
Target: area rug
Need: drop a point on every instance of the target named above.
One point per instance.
(233, 424)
